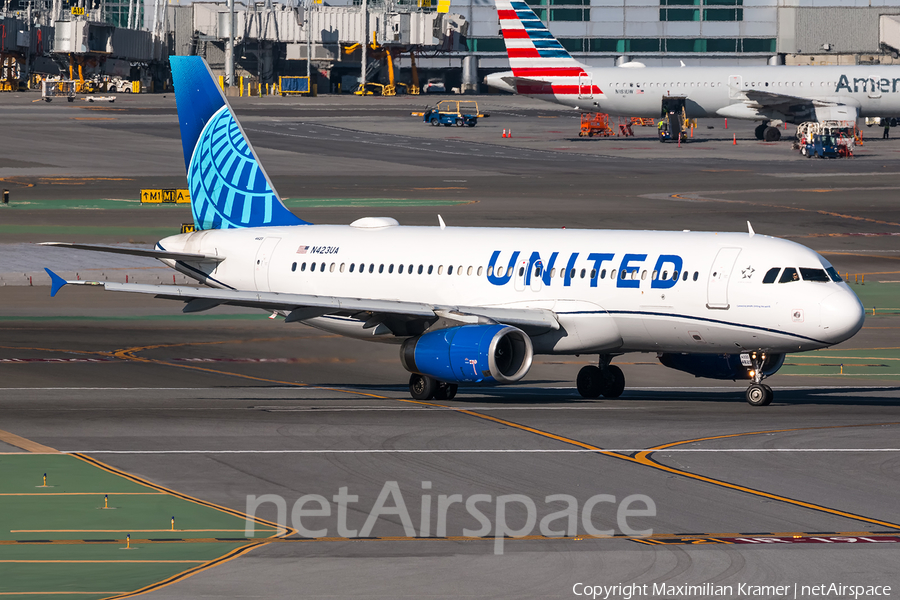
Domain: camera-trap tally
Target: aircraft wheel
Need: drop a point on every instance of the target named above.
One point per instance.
(445, 391)
(590, 382)
(772, 134)
(759, 395)
(422, 387)
(616, 384)
(435, 121)
(760, 131)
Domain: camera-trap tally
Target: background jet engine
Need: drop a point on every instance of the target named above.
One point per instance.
(718, 366)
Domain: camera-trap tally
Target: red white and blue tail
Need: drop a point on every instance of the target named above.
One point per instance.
(531, 48)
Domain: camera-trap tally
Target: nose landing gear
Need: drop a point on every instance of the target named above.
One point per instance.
(604, 380)
(758, 394)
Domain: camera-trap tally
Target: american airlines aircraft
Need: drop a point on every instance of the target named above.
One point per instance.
(541, 68)
(474, 305)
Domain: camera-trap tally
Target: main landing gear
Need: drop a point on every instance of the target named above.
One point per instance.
(423, 387)
(603, 380)
(768, 131)
(758, 394)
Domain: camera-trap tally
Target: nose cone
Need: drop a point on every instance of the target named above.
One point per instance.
(842, 315)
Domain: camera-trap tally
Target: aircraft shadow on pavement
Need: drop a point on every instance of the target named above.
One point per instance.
(855, 396)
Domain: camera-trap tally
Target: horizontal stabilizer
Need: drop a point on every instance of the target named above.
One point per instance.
(186, 256)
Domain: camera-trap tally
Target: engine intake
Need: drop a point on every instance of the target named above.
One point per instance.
(718, 366)
(470, 353)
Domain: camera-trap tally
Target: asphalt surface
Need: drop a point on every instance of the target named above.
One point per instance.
(225, 405)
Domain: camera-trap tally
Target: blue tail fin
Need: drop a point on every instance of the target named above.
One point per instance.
(229, 188)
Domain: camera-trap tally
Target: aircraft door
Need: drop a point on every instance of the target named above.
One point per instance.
(263, 259)
(719, 276)
(585, 86)
(735, 87)
(520, 275)
(537, 276)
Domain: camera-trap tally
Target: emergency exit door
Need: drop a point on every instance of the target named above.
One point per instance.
(585, 86)
(263, 259)
(719, 277)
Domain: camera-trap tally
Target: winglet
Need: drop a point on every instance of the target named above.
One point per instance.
(750, 229)
(56, 282)
(441, 222)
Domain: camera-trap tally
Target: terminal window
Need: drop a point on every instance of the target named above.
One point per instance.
(697, 10)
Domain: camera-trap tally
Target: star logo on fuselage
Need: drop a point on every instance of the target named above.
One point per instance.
(747, 273)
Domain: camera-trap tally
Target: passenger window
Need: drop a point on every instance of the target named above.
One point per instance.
(372, 268)
(441, 270)
(696, 275)
(390, 268)
(790, 274)
(409, 270)
(603, 274)
(521, 271)
(490, 272)
(814, 275)
(685, 276)
(480, 270)
(674, 275)
(421, 268)
(362, 267)
(352, 267)
(450, 270)
(469, 271)
(302, 267)
(572, 274)
(593, 273)
(665, 275)
(644, 275)
(331, 268)
(381, 268)
(322, 267)
(343, 266)
(293, 267)
(430, 269)
(771, 275)
(653, 277)
(582, 273)
(623, 274)
(459, 271)
(400, 269)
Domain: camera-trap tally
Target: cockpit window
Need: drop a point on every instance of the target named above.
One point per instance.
(771, 275)
(835, 277)
(789, 275)
(813, 275)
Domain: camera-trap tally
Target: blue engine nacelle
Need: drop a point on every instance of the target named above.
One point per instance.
(470, 354)
(719, 366)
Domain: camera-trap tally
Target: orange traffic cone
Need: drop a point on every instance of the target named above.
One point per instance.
(734, 140)
(509, 135)
(504, 133)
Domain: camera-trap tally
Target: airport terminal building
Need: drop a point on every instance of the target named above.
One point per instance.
(659, 32)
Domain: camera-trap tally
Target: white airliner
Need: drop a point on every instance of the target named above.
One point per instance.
(541, 68)
(474, 305)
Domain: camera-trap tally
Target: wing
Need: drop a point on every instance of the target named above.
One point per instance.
(820, 109)
(139, 252)
(402, 318)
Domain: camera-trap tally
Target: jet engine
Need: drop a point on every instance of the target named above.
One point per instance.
(470, 353)
(719, 366)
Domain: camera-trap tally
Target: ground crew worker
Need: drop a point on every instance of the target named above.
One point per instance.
(887, 130)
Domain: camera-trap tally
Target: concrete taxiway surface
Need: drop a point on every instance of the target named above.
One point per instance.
(229, 404)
